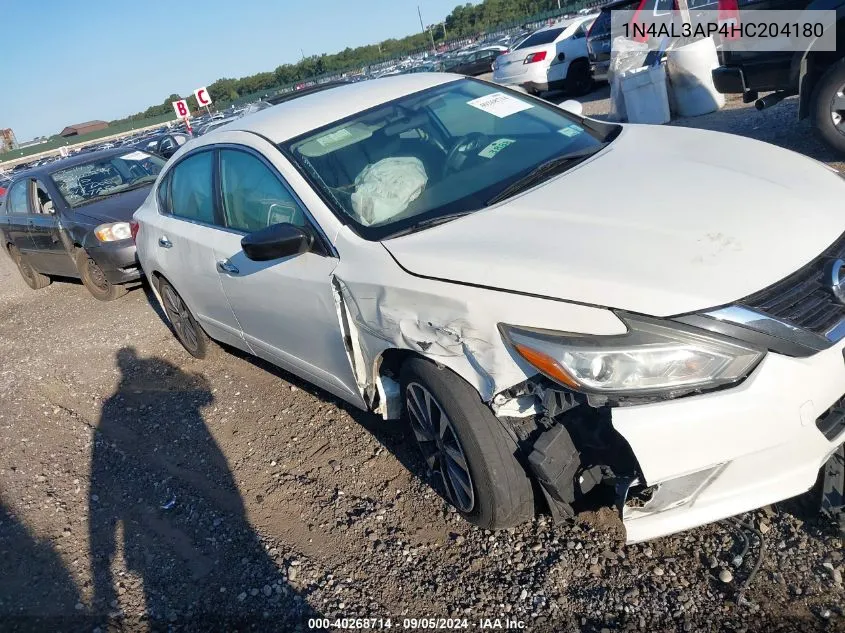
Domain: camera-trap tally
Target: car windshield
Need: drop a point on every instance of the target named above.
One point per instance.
(107, 176)
(444, 151)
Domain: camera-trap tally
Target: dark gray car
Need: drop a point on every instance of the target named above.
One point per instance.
(71, 219)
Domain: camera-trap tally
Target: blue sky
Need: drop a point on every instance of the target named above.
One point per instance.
(67, 62)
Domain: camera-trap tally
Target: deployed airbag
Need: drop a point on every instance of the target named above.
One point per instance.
(384, 189)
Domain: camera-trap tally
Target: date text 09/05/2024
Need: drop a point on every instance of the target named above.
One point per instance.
(416, 623)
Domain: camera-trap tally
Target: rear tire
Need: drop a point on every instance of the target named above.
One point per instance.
(458, 435)
(189, 333)
(829, 119)
(579, 78)
(31, 277)
(94, 279)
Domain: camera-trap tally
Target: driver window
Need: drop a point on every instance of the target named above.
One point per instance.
(43, 202)
(253, 196)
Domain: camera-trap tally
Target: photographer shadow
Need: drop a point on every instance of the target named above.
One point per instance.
(165, 507)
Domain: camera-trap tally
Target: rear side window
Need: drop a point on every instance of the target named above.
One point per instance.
(191, 191)
(17, 199)
(540, 37)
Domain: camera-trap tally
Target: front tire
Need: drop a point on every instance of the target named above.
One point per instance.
(31, 277)
(94, 279)
(827, 107)
(465, 444)
(189, 333)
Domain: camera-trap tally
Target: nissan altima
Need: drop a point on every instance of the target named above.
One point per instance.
(431, 247)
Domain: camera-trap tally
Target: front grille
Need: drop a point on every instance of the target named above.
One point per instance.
(804, 299)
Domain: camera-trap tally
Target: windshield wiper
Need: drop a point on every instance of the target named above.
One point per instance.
(544, 171)
(427, 223)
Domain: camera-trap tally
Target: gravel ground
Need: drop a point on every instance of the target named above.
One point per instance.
(141, 489)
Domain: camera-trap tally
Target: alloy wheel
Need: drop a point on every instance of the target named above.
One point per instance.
(179, 316)
(440, 445)
(837, 109)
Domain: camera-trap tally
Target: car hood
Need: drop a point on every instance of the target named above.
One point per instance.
(117, 208)
(664, 221)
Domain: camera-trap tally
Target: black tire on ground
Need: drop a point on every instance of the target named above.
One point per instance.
(189, 333)
(94, 279)
(33, 279)
(502, 492)
(579, 78)
(831, 86)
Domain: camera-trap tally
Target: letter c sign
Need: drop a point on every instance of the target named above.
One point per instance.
(203, 99)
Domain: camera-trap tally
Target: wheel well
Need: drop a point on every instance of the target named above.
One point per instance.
(156, 278)
(817, 62)
(387, 368)
(391, 360)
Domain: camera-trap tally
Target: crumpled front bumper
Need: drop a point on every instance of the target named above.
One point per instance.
(719, 454)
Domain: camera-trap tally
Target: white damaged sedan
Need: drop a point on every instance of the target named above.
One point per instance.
(556, 304)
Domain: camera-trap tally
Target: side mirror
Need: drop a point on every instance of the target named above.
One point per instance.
(276, 241)
(570, 105)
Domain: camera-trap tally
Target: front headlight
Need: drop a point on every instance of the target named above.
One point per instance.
(113, 232)
(653, 357)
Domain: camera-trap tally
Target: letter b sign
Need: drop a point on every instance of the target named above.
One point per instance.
(181, 108)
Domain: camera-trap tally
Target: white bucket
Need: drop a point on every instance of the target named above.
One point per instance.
(691, 79)
(646, 99)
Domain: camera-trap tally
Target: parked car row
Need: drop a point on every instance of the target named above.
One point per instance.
(431, 246)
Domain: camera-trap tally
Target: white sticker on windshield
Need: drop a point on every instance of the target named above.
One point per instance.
(500, 104)
(495, 147)
(570, 130)
(338, 136)
(135, 156)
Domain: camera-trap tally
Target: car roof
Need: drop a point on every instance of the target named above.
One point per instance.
(302, 92)
(289, 119)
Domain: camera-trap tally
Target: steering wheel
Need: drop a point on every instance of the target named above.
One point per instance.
(466, 143)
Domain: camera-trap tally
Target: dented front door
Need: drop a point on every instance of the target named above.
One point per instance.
(287, 312)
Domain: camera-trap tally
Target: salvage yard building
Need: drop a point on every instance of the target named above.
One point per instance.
(83, 128)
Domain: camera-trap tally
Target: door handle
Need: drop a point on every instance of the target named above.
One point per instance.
(164, 242)
(225, 266)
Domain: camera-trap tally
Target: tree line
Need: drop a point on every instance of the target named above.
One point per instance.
(464, 21)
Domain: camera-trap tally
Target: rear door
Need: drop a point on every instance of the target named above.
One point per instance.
(185, 237)
(18, 217)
